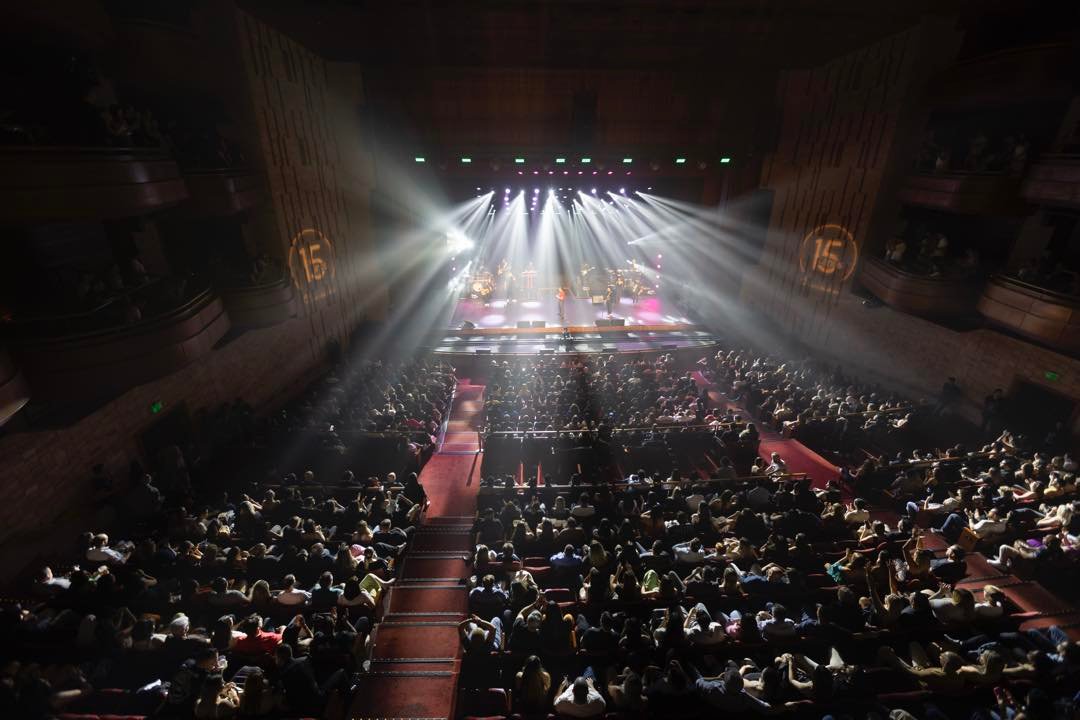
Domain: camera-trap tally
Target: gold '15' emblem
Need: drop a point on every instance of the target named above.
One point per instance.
(828, 250)
(311, 257)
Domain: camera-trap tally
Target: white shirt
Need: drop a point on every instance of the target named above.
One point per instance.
(104, 554)
(293, 597)
(592, 707)
(701, 636)
(683, 553)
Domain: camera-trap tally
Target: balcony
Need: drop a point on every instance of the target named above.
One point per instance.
(72, 365)
(260, 305)
(917, 294)
(223, 192)
(1053, 180)
(967, 193)
(73, 183)
(14, 393)
(1050, 318)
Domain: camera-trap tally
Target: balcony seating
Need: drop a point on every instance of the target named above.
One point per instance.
(72, 366)
(54, 184)
(223, 192)
(1050, 318)
(260, 305)
(970, 193)
(917, 294)
(1053, 180)
(14, 392)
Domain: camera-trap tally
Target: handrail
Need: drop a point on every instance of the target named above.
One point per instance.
(644, 428)
(1072, 300)
(201, 298)
(156, 152)
(891, 267)
(86, 313)
(685, 482)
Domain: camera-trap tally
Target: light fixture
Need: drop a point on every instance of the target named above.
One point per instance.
(725, 160)
(586, 161)
(680, 161)
(477, 189)
(466, 160)
(420, 159)
(560, 160)
(519, 161)
(622, 191)
(594, 191)
(627, 161)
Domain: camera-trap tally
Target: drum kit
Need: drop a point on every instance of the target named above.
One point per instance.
(481, 286)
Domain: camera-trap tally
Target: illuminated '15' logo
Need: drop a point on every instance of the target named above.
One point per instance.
(311, 262)
(828, 250)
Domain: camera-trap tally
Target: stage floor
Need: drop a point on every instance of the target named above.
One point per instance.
(650, 310)
(650, 325)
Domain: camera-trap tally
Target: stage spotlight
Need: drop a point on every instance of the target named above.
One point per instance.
(594, 191)
(560, 160)
(477, 189)
(627, 161)
(680, 161)
(466, 160)
(622, 191)
(420, 159)
(457, 243)
(519, 161)
(586, 161)
(725, 160)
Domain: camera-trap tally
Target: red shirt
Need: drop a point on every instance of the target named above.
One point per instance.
(257, 643)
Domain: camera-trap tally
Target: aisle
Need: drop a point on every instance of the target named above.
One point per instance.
(799, 458)
(415, 658)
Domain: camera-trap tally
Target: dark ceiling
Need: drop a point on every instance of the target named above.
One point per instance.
(693, 34)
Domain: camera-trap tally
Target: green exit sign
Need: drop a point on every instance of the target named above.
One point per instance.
(1051, 376)
(156, 407)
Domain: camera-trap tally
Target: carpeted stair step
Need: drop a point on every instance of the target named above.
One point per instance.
(428, 597)
(449, 541)
(412, 694)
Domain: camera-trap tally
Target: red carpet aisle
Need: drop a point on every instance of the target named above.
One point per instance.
(415, 661)
(799, 458)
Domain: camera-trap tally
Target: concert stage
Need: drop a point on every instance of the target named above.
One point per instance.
(650, 326)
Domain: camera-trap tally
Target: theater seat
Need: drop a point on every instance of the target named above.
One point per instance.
(488, 702)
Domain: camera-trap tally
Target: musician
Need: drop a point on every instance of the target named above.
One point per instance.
(506, 277)
(609, 299)
(561, 297)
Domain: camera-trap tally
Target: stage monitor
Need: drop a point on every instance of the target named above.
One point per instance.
(539, 323)
(603, 322)
(547, 351)
(618, 322)
(610, 322)
(669, 347)
(523, 324)
(483, 351)
(468, 325)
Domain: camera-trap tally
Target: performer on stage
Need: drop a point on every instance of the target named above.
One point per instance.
(561, 297)
(609, 299)
(506, 278)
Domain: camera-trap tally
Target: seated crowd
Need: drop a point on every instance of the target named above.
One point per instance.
(222, 598)
(872, 595)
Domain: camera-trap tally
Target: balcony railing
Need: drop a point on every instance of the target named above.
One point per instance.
(917, 294)
(1048, 317)
(261, 305)
(69, 365)
(1053, 180)
(14, 392)
(86, 183)
(224, 191)
(959, 192)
